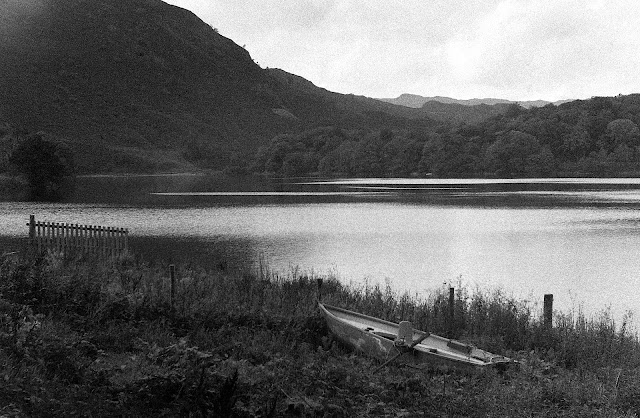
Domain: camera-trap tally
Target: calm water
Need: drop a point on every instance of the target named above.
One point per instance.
(575, 238)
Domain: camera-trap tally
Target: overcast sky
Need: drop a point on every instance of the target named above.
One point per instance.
(511, 49)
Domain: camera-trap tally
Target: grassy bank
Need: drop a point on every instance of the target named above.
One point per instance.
(12, 188)
(90, 338)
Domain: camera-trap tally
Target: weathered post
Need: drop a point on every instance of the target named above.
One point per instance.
(172, 295)
(126, 241)
(548, 311)
(452, 300)
(32, 235)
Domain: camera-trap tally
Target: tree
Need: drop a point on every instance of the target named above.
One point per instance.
(541, 163)
(576, 143)
(299, 163)
(596, 163)
(46, 165)
(432, 153)
(278, 149)
(369, 156)
(513, 153)
(345, 158)
(404, 154)
(621, 132)
(514, 110)
(449, 154)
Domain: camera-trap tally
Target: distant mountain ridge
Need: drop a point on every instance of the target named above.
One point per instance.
(417, 101)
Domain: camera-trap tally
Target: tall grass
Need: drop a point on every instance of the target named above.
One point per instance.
(126, 289)
(261, 334)
(498, 322)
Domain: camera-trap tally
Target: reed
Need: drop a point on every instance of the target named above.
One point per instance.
(254, 343)
(487, 317)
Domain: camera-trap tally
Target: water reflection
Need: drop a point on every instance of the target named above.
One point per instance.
(270, 194)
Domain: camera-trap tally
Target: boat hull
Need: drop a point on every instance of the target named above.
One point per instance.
(377, 338)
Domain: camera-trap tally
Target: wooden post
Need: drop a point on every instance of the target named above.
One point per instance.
(109, 244)
(59, 237)
(94, 239)
(56, 237)
(114, 243)
(85, 239)
(548, 311)
(101, 243)
(38, 237)
(452, 296)
(32, 234)
(49, 238)
(32, 227)
(65, 237)
(76, 238)
(118, 239)
(172, 272)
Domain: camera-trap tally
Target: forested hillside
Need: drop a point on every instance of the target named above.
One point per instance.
(141, 85)
(596, 137)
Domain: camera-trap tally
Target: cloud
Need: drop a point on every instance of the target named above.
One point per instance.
(517, 49)
(550, 49)
(364, 49)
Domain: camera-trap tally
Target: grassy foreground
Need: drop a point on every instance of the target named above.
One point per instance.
(91, 338)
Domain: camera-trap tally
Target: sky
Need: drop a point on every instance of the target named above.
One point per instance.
(508, 49)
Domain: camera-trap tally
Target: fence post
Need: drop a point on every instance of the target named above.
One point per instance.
(39, 231)
(101, 243)
(85, 239)
(451, 311)
(548, 311)
(32, 234)
(118, 240)
(172, 295)
(56, 237)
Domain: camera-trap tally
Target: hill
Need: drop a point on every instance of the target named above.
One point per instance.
(145, 86)
(416, 101)
(142, 86)
(456, 112)
(597, 137)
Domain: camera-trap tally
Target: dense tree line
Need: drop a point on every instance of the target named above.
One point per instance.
(595, 137)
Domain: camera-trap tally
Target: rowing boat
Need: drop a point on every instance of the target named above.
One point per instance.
(384, 340)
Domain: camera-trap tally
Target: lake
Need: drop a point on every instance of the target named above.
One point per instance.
(575, 238)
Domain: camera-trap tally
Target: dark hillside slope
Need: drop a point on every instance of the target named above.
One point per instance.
(139, 73)
(116, 77)
(324, 107)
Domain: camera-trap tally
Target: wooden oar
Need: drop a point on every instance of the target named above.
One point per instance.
(416, 342)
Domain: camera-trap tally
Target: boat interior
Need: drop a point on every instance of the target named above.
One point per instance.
(434, 343)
